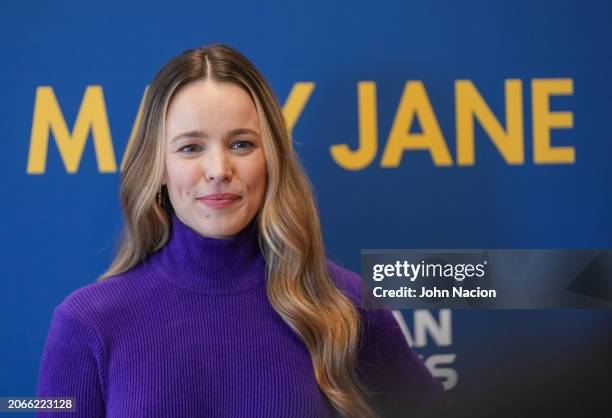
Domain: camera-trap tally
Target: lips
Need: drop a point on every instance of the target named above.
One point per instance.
(218, 201)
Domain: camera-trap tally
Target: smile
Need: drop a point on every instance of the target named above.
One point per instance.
(219, 201)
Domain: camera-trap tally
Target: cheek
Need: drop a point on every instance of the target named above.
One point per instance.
(181, 177)
(254, 174)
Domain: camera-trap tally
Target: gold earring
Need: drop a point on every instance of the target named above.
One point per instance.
(159, 197)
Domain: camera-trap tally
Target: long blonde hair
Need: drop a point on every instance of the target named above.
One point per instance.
(299, 286)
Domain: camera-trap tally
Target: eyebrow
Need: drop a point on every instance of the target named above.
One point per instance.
(202, 135)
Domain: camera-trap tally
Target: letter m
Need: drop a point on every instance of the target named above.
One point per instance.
(48, 117)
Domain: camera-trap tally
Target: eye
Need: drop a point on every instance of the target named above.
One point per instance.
(186, 148)
(242, 146)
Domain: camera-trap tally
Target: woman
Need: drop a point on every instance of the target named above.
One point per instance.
(220, 301)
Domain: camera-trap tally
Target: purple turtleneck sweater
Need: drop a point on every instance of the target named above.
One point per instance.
(190, 332)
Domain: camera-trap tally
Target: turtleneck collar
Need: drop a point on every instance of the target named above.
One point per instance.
(211, 265)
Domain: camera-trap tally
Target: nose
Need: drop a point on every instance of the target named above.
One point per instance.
(217, 168)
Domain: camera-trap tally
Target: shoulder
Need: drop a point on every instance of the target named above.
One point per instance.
(377, 317)
(348, 282)
(386, 363)
(98, 302)
(351, 284)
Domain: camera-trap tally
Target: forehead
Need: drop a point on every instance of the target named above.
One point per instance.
(211, 106)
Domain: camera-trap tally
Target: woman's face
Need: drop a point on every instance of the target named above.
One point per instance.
(215, 170)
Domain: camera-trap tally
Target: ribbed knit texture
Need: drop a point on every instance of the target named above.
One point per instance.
(190, 333)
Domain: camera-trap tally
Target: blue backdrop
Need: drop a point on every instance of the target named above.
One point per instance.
(526, 85)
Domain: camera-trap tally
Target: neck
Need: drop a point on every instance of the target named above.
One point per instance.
(211, 265)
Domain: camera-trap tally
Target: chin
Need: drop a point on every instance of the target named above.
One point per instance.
(221, 230)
